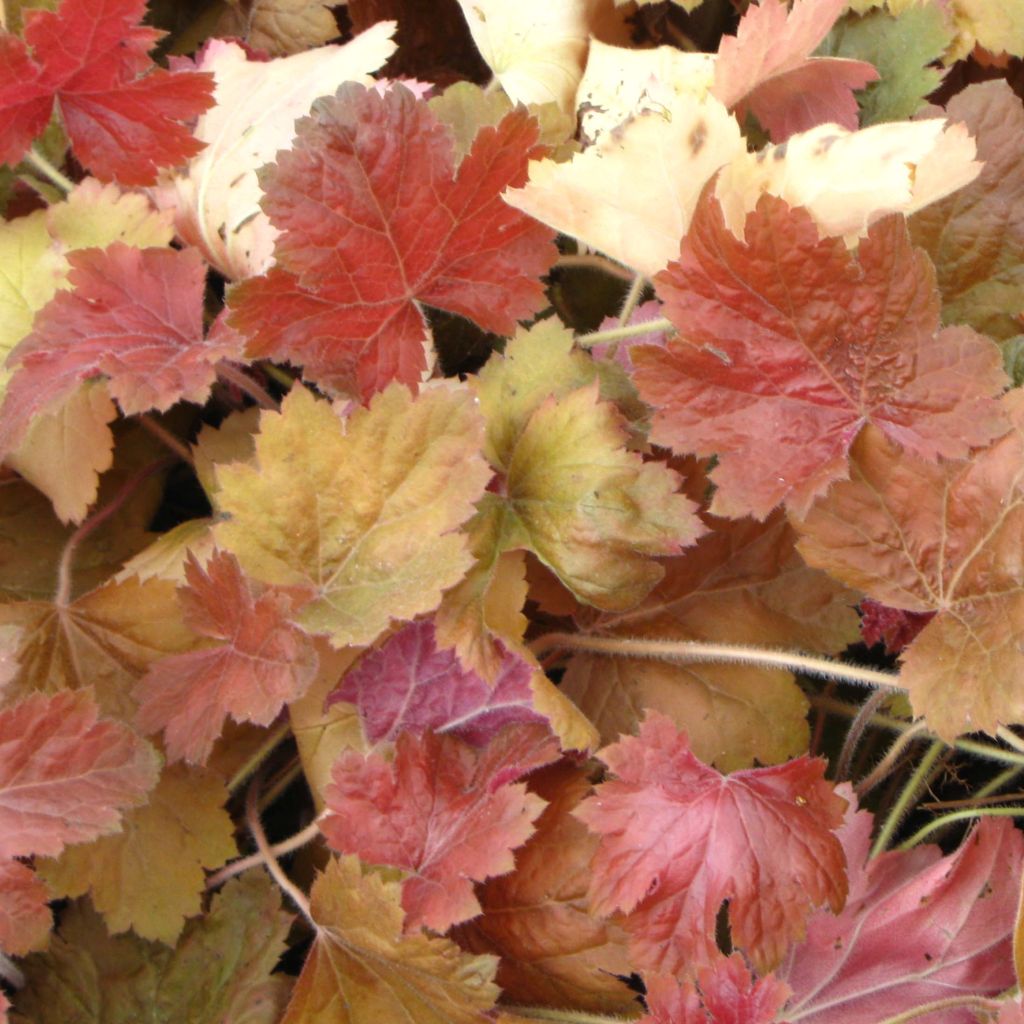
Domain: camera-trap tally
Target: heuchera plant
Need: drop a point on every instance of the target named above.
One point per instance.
(511, 512)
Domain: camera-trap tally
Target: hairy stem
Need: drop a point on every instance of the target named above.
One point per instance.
(166, 438)
(237, 376)
(11, 972)
(252, 818)
(592, 261)
(906, 798)
(856, 732)
(632, 299)
(687, 651)
(281, 849)
(983, 796)
(564, 1016)
(618, 333)
(273, 740)
(41, 164)
(966, 815)
(62, 595)
(884, 768)
(952, 1003)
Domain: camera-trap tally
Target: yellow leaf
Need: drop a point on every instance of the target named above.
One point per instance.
(998, 27)
(362, 970)
(149, 877)
(166, 557)
(233, 441)
(363, 513)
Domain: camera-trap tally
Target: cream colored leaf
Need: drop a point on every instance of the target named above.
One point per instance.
(632, 194)
(216, 200)
(849, 180)
(150, 876)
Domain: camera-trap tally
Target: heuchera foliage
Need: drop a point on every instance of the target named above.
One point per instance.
(450, 492)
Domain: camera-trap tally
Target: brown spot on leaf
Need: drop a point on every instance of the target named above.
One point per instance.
(698, 137)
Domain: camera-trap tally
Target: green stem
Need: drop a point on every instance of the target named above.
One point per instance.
(955, 816)
(41, 164)
(273, 740)
(276, 373)
(564, 1016)
(618, 333)
(685, 651)
(632, 299)
(952, 1003)
(887, 765)
(907, 796)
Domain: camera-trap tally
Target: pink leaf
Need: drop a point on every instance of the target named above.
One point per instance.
(122, 113)
(408, 685)
(375, 218)
(790, 344)
(260, 662)
(767, 68)
(443, 811)
(64, 776)
(917, 927)
(25, 918)
(678, 839)
(135, 316)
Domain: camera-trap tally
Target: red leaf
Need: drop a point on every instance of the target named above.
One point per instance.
(790, 344)
(678, 839)
(896, 627)
(408, 685)
(134, 316)
(917, 927)
(375, 218)
(443, 811)
(25, 919)
(122, 113)
(64, 776)
(261, 662)
(767, 68)
(724, 994)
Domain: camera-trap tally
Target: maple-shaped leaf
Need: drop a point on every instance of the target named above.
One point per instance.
(880, 532)
(998, 28)
(216, 199)
(65, 775)
(122, 114)
(180, 831)
(363, 514)
(724, 993)
(259, 663)
(409, 685)
(554, 950)
(767, 68)
(135, 316)
(219, 970)
(918, 927)
(443, 811)
(678, 839)
(790, 344)
(25, 919)
(742, 583)
(106, 639)
(849, 180)
(363, 970)
(976, 238)
(374, 219)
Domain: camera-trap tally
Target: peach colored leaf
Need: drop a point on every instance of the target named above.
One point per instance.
(260, 662)
(554, 950)
(938, 538)
(767, 68)
(363, 970)
(742, 582)
(917, 927)
(790, 344)
(443, 811)
(66, 776)
(25, 919)
(216, 198)
(976, 238)
(409, 685)
(374, 219)
(678, 839)
(724, 993)
(134, 316)
(122, 114)
(150, 876)
(363, 513)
